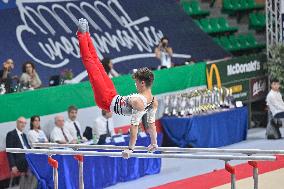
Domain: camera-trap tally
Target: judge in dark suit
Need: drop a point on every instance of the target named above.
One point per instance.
(18, 139)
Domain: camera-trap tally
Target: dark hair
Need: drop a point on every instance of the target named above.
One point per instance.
(144, 74)
(274, 80)
(104, 112)
(25, 64)
(71, 108)
(163, 38)
(105, 63)
(32, 121)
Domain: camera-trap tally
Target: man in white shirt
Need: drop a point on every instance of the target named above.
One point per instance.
(104, 125)
(60, 134)
(274, 100)
(72, 125)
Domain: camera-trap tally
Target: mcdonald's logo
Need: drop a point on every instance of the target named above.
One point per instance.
(209, 75)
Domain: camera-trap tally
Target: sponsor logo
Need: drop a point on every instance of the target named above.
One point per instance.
(209, 75)
(237, 88)
(259, 87)
(238, 68)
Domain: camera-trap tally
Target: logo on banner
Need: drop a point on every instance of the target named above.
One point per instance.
(48, 31)
(237, 68)
(259, 87)
(209, 74)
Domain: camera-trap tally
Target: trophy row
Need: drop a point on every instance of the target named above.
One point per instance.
(198, 102)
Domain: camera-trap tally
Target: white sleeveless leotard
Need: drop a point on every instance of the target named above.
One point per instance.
(120, 105)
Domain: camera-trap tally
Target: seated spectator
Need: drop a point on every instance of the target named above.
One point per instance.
(17, 161)
(30, 78)
(274, 100)
(104, 125)
(18, 139)
(36, 134)
(60, 134)
(108, 66)
(5, 75)
(73, 125)
(164, 53)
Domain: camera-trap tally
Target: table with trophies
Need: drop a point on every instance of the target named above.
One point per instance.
(204, 118)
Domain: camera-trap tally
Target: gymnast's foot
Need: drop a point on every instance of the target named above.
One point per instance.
(152, 148)
(83, 26)
(127, 153)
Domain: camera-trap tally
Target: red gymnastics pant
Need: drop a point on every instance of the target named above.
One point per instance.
(102, 85)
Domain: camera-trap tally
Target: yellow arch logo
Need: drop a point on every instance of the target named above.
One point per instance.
(209, 75)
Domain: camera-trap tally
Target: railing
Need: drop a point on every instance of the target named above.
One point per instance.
(166, 152)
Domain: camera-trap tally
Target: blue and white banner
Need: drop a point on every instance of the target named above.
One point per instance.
(44, 31)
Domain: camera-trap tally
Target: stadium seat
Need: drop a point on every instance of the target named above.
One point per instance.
(193, 9)
(216, 26)
(257, 21)
(239, 43)
(235, 6)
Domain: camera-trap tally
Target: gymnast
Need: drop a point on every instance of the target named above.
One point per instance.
(142, 104)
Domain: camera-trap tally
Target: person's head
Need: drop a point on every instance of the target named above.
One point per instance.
(106, 114)
(28, 67)
(35, 122)
(72, 112)
(21, 123)
(59, 121)
(164, 41)
(275, 85)
(107, 64)
(9, 63)
(144, 78)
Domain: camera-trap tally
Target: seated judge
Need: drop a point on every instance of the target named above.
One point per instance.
(18, 139)
(73, 125)
(104, 125)
(36, 135)
(60, 134)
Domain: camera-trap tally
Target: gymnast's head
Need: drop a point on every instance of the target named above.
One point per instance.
(144, 78)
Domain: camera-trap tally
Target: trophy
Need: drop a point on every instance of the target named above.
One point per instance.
(167, 105)
(2, 89)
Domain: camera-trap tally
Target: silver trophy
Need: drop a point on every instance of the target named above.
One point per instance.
(2, 89)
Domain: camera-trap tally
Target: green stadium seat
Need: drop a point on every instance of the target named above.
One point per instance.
(193, 9)
(252, 41)
(257, 21)
(216, 26)
(224, 24)
(235, 43)
(205, 25)
(226, 43)
(232, 7)
(253, 5)
(239, 43)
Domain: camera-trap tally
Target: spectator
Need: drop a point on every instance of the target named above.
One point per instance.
(72, 125)
(17, 139)
(104, 125)
(108, 66)
(30, 78)
(274, 100)
(60, 134)
(164, 53)
(36, 134)
(5, 75)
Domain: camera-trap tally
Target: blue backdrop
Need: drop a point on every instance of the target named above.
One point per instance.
(125, 30)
